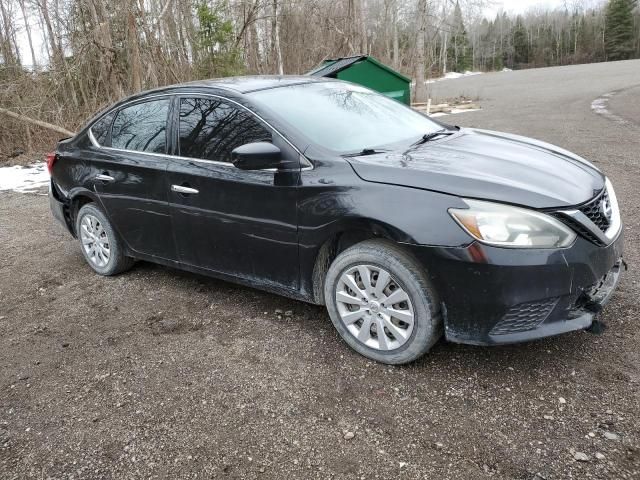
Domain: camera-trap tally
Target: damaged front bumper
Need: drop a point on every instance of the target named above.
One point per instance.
(493, 296)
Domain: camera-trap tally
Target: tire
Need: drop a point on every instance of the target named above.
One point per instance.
(109, 259)
(404, 341)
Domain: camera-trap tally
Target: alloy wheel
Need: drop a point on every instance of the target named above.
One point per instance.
(95, 241)
(374, 308)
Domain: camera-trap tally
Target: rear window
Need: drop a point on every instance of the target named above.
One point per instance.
(142, 127)
(101, 129)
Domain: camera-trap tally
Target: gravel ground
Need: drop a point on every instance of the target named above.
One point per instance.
(163, 374)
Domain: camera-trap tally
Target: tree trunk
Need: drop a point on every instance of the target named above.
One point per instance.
(387, 31)
(396, 46)
(104, 40)
(41, 28)
(34, 62)
(253, 53)
(445, 55)
(420, 94)
(6, 46)
(351, 26)
(27, 132)
(44, 10)
(39, 123)
(362, 22)
(275, 32)
(134, 49)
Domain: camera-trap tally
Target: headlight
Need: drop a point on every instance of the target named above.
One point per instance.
(508, 226)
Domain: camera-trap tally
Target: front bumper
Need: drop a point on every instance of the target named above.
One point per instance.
(493, 296)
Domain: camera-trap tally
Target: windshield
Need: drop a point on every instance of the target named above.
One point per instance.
(343, 117)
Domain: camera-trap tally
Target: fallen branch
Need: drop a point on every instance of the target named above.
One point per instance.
(39, 123)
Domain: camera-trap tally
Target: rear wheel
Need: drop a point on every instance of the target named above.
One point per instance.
(101, 247)
(382, 303)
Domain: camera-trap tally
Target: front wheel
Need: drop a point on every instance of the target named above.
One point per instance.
(382, 303)
(101, 247)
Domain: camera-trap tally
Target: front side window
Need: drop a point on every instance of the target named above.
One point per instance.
(211, 128)
(142, 127)
(100, 129)
(344, 117)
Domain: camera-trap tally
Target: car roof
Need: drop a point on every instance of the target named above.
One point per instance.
(239, 85)
(252, 83)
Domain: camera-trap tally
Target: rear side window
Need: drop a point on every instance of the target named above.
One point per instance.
(100, 129)
(210, 129)
(142, 127)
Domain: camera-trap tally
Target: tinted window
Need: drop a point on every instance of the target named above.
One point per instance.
(344, 117)
(100, 129)
(210, 129)
(141, 127)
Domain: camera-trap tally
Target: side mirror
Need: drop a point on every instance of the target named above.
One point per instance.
(256, 156)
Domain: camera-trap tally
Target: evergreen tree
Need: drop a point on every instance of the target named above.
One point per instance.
(459, 51)
(619, 43)
(217, 53)
(520, 43)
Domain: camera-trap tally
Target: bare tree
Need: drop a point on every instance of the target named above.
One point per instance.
(420, 94)
(275, 26)
(8, 44)
(25, 17)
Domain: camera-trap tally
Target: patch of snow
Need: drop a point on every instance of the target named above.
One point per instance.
(24, 179)
(458, 75)
(453, 76)
(601, 107)
(454, 111)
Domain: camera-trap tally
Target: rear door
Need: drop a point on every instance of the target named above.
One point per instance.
(240, 223)
(129, 175)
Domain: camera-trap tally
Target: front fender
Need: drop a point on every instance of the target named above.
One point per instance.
(406, 215)
(333, 200)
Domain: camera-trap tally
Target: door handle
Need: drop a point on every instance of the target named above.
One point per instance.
(185, 190)
(105, 178)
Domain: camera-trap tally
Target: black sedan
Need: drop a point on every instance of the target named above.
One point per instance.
(324, 191)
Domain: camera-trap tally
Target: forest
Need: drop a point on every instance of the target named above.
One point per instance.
(63, 60)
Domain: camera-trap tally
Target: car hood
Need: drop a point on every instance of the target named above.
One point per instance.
(488, 165)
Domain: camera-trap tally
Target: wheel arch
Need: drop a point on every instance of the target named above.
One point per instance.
(342, 236)
(77, 199)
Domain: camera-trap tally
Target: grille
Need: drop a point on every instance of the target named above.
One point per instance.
(579, 229)
(524, 316)
(593, 210)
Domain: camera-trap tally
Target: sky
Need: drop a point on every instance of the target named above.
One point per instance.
(521, 6)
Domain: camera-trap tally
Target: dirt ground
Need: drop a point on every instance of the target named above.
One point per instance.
(163, 374)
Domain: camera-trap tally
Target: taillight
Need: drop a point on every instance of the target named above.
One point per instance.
(51, 159)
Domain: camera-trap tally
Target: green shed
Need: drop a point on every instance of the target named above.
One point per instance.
(369, 72)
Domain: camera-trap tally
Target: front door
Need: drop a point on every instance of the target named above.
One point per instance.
(236, 222)
(130, 180)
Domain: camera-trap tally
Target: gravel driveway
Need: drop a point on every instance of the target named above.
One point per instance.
(163, 374)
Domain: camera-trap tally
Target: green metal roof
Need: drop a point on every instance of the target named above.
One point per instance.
(333, 66)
